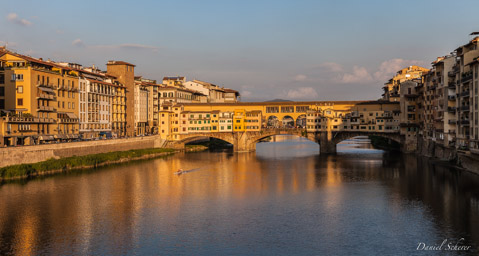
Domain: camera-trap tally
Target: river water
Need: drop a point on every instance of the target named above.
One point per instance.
(284, 199)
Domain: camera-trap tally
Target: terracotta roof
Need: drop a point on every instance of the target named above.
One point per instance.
(173, 78)
(272, 103)
(103, 82)
(35, 60)
(117, 62)
(179, 88)
(230, 90)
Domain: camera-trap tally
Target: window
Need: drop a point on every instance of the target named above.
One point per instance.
(20, 89)
(2, 78)
(2, 91)
(20, 102)
(2, 103)
(18, 77)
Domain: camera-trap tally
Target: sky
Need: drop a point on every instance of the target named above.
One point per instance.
(295, 50)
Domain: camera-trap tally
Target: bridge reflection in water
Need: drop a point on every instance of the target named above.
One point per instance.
(283, 199)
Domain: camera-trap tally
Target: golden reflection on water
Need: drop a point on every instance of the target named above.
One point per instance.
(111, 205)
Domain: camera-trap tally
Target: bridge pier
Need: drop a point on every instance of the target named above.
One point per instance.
(242, 143)
(326, 143)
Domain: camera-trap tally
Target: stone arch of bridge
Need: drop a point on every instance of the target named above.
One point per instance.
(281, 115)
(258, 138)
(301, 121)
(288, 121)
(272, 121)
(342, 136)
(195, 137)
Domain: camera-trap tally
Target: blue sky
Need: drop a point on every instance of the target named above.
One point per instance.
(297, 50)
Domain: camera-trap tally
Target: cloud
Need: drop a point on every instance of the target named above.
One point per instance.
(331, 66)
(246, 94)
(388, 68)
(300, 78)
(359, 75)
(128, 47)
(302, 93)
(78, 43)
(13, 17)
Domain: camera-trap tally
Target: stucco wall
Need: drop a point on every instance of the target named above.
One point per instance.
(33, 154)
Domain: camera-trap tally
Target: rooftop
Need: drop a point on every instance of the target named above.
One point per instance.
(116, 62)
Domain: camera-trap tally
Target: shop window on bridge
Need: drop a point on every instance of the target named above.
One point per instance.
(272, 109)
(287, 109)
(302, 108)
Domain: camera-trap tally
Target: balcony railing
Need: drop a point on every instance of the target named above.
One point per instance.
(46, 96)
(465, 108)
(451, 109)
(451, 85)
(40, 84)
(466, 76)
(464, 94)
(46, 108)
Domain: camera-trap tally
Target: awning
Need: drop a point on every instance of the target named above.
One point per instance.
(46, 89)
(46, 137)
(71, 115)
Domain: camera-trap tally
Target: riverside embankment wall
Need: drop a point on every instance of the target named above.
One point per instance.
(37, 153)
(468, 161)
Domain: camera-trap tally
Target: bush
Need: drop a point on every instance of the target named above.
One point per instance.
(75, 161)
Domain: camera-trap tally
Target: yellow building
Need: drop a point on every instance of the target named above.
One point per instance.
(175, 81)
(392, 87)
(239, 120)
(40, 100)
(253, 121)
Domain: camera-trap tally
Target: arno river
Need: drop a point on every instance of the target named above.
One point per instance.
(284, 199)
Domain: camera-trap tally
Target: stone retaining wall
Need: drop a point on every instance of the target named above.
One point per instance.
(38, 153)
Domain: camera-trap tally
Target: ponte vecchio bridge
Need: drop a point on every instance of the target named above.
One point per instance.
(326, 123)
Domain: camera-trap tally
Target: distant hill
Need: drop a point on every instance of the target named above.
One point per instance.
(278, 100)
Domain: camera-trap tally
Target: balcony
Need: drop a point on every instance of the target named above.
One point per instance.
(451, 97)
(40, 84)
(46, 96)
(451, 109)
(465, 108)
(464, 94)
(451, 85)
(466, 76)
(46, 120)
(14, 119)
(46, 108)
(451, 121)
(464, 122)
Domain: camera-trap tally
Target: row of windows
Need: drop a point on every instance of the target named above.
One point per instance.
(380, 127)
(71, 105)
